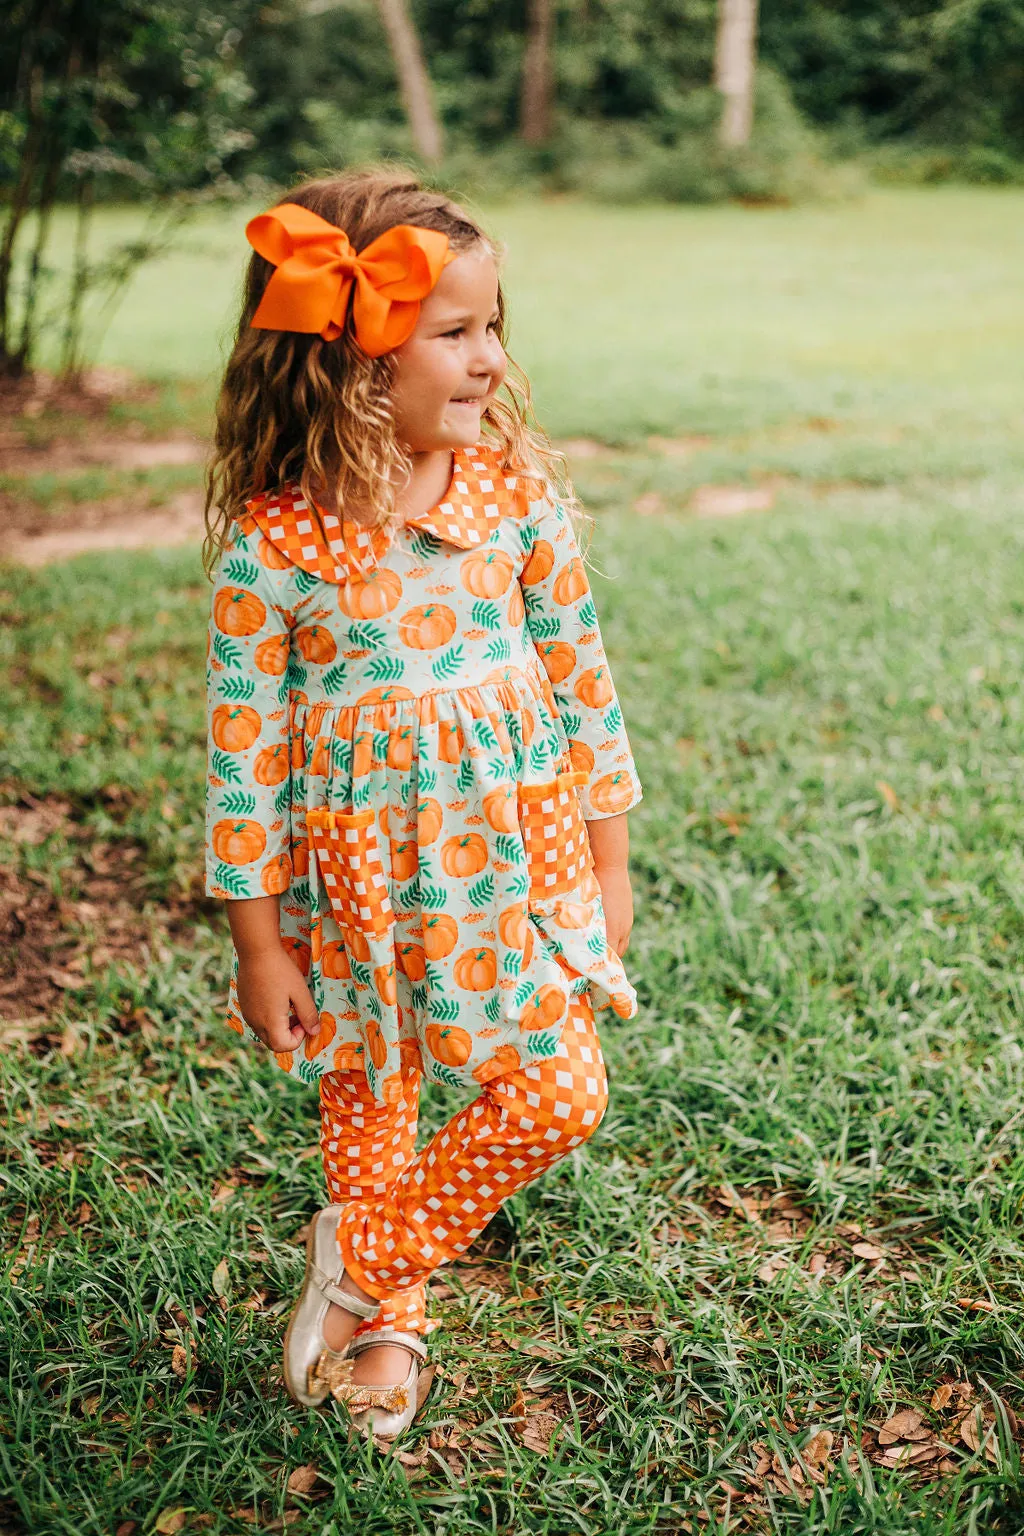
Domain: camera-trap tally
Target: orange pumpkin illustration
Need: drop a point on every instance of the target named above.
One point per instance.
(405, 860)
(580, 757)
(299, 953)
(386, 696)
(234, 1022)
(362, 754)
(427, 627)
(540, 563)
(393, 1088)
(277, 875)
(320, 762)
(570, 583)
(271, 557)
(429, 820)
(450, 741)
(516, 607)
(512, 926)
(376, 1043)
(573, 914)
(449, 1044)
(323, 1037)
(506, 1057)
(238, 842)
(464, 856)
(501, 808)
(238, 612)
(612, 793)
(528, 726)
(298, 751)
(411, 961)
(400, 748)
(385, 984)
(234, 727)
(316, 643)
(440, 935)
(334, 961)
(271, 656)
(486, 573)
(371, 595)
(355, 943)
(300, 855)
(272, 766)
(284, 1060)
(558, 657)
(544, 1008)
(476, 970)
(594, 688)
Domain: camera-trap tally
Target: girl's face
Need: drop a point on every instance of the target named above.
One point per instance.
(453, 363)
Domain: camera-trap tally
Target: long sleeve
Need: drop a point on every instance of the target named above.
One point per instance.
(248, 799)
(562, 620)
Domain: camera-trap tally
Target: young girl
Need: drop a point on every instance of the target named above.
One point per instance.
(418, 773)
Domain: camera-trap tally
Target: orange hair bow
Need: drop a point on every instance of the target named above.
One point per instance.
(318, 269)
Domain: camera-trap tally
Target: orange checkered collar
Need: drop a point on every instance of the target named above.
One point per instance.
(479, 495)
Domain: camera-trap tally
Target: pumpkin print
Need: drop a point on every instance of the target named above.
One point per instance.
(424, 629)
(315, 644)
(276, 876)
(235, 727)
(271, 656)
(449, 1044)
(544, 1008)
(272, 765)
(284, 1060)
(464, 856)
(238, 842)
(422, 676)
(476, 970)
(372, 595)
(487, 573)
(238, 612)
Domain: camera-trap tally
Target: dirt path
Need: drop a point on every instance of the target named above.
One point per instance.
(179, 521)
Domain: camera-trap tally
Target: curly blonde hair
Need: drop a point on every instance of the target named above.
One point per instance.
(295, 406)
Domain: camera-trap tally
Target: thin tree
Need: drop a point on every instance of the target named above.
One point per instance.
(735, 60)
(413, 80)
(535, 102)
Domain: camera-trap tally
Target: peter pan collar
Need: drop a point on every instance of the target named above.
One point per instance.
(479, 495)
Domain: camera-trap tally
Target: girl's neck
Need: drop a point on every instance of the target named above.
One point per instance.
(429, 479)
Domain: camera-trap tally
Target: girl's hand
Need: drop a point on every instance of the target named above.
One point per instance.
(274, 999)
(617, 899)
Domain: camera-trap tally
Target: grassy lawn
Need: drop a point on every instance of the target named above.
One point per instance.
(801, 1215)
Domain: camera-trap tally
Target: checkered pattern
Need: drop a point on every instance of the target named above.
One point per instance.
(286, 520)
(478, 500)
(351, 871)
(555, 834)
(434, 1205)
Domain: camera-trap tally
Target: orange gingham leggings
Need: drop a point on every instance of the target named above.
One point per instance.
(407, 1213)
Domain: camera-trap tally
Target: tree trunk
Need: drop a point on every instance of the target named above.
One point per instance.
(413, 80)
(535, 104)
(735, 54)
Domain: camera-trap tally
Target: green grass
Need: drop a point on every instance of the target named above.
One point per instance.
(825, 704)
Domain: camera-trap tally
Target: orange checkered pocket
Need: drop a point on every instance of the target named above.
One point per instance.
(555, 836)
(351, 870)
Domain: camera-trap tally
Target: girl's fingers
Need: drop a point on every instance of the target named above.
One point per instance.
(304, 1009)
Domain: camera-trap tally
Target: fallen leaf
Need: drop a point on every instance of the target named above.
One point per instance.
(868, 1251)
(902, 1426)
(221, 1283)
(976, 1304)
(127, 1528)
(772, 1268)
(179, 1361)
(816, 1451)
(303, 1479)
(169, 1521)
(941, 1397)
(539, 1430)
(423, 1385)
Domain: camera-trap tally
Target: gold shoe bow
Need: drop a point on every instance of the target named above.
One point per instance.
(334, 1371)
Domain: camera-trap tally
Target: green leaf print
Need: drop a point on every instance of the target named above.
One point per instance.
(445, 1075)
(426, 783)
(230, 879)
(381, 740)
(445, 1009)
(228, 652)
(586, 614)
(484, 733)
(595, 943)
(497, 770)
(492, 1007)
(361, 795)
(283, 799)
(481, 891)
(299, 893)
(424, 546)
(509, 848)
(520, 886)
(304, 581)
(419, 997)
(486, 615)
(242, 571)
(545, 629)
(433, 898)
(523, 993)
(308, 1073)
(238, 802)
(299, 788)
(540, 756)
(296, 676)
(434, 977)
(367, 637)
(513, 962)
(405, 897)
(571, 724)
(385, 669)
(373, 1005)
(534, 601)
(466, 776)
(448, 664)
(341, 754)
(527, 538)
(334, 677)
(613, 720)
(541, 1043)
(224, 766)
(236, 689)
(361, 972)
(498, 650)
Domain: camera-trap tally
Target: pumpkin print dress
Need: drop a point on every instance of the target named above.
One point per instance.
(407, 735)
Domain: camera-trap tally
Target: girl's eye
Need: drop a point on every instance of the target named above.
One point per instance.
(456, 332)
